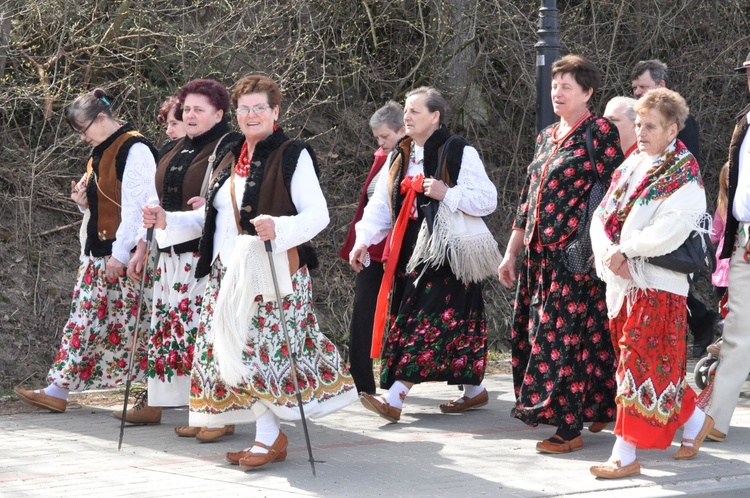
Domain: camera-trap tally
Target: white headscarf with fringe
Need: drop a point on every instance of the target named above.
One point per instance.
(461, 240)
(657, 222)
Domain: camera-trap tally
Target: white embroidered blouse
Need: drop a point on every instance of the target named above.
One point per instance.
(291, 231)
(473, 194)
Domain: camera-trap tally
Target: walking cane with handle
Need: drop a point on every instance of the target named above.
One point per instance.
(269, 251)
(149, 239)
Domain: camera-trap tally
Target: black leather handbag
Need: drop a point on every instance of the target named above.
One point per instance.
(696, 255)
(578, 255)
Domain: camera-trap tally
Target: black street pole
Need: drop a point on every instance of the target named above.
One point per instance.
(547, 52)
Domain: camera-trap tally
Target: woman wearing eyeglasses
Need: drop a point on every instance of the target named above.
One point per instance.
(119, 181)
(181, 181)
(267, 187)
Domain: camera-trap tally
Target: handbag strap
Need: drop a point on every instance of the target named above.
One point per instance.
(233, 195)
(210, 168)
(590, 150)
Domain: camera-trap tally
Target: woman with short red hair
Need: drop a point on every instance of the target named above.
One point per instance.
(181, 181)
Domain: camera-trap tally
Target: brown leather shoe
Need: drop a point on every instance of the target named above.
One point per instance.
(276, 453)
(235, 457)
(598, 426)
(187, 430)
(209, 434)
(612, 470)
(717, 436)
(556, 445)
(382, 408)
(41, 400)
(141, 413)
(688, 452)
(456, 406)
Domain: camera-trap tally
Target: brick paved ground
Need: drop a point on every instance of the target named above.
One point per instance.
(479, 453)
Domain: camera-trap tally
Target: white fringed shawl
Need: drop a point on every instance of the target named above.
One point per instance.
(659, 221)
(464, 241)
(248, 275)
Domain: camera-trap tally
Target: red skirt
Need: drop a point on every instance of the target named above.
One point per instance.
(653, 398)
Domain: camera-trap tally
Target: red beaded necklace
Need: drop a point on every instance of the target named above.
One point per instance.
(242, 168)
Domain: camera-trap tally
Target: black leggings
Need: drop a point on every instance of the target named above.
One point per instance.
(360, 330)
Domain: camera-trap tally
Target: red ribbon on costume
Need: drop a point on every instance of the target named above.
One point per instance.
(408, 188)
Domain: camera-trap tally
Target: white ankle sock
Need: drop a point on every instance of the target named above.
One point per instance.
(623, 451)
(472, 391)
(693, 426)
(396, 395)
(56, 392)
(267, 429)
(469, 392)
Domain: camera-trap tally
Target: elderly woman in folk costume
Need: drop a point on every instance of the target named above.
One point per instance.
(182, 177)
(435, 183)
(619, 111)
(656, 199)
(265, 189)
(387, 125)
(96, 342)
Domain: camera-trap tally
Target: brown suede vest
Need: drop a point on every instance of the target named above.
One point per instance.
(108, 188)
(275, 199)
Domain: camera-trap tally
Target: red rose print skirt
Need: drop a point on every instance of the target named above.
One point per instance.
(563, 360)
(96, 341)
(437, 331)
(177, 301)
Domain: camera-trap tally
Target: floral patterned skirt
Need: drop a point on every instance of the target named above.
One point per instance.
(438, 332)
(96, 340)
(563, 360)
(324, 380)
(653, 399)
(177, 300)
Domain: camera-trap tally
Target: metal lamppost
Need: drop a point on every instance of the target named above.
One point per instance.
(547, 52)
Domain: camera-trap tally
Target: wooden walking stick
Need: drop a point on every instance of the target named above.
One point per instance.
(269, 251)
(149, 239)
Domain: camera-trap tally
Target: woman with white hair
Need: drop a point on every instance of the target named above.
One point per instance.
(656, 199)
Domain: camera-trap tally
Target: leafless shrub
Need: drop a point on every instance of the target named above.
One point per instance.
(337, 62)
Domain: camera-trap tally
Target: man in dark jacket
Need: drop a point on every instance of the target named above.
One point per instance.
(650, 74)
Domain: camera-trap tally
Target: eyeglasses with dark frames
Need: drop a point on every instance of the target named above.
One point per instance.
(83, 132)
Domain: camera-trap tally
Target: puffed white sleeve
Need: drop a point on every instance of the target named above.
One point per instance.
(138, 189)
(474, 192)
(312, 209)
(376, 218)
(182, 226)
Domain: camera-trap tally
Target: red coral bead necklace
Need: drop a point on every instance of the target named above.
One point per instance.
(242, 168)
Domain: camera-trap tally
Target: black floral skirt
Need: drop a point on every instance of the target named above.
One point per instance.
(437, 331)
(563, 359)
